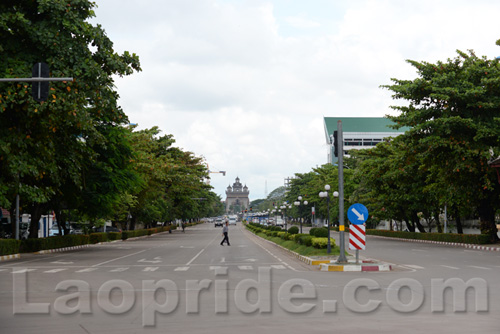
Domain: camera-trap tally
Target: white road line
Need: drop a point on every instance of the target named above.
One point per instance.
(245, 267)
(21, 271)
(477, 267)
(150, 269)
(119, 270)
(413, 266)
(55, 270)
(450, 267)
(86, 270)
(3, 269)
(278, 266)
(194, 258)
(181, 269)
(118, 258)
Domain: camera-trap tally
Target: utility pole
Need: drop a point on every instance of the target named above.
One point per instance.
(342, 258)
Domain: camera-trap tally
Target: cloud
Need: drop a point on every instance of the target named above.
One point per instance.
(231, 85)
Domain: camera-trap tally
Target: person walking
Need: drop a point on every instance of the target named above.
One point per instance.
(225, 229)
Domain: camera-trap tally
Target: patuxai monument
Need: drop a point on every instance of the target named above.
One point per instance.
(237, 197)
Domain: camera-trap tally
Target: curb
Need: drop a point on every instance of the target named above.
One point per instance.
(456, 244)
(353, 267)
(57, 250)
(10, 257)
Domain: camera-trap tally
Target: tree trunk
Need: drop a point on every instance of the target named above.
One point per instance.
(132, 223)
(487, 221)
(417, 222)
(410, 225)
(458, 221)
(438, 223)
(36, 214)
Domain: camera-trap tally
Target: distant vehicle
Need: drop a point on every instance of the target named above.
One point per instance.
(232, 220)
(219, 222)
(279, 222)
(108, 229)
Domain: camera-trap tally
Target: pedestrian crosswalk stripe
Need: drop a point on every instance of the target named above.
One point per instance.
(117, 270)
(150, 269)
(20, 271)
(86, 270)
(181, 269)
(278, 266)
(245, 267)
(55, 270)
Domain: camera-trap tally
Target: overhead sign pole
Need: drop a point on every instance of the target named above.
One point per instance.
(40, 92)
(340, 142)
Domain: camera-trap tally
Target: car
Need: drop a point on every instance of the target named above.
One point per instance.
(219, 222)
(232, 220)
(108, 229)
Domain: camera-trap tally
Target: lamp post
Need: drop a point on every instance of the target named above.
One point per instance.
(297, 203)
(324, 194)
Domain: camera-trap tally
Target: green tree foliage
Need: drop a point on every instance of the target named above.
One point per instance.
(453, 110)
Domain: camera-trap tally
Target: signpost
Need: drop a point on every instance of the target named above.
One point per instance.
(357, 215)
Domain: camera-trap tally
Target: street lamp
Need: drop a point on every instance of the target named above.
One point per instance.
(324, 194)
(297, 203)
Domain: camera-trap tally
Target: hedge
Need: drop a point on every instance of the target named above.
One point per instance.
(479, 239)
(319, 232)
(36, 245)
(9, 246)
(293, 230)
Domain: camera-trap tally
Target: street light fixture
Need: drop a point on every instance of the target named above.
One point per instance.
(297, 203)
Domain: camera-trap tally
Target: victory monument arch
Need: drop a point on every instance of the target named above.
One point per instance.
(237, 197)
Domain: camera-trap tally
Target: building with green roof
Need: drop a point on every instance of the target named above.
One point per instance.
(358, 132)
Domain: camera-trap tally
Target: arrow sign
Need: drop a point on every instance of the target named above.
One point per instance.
(357, 214)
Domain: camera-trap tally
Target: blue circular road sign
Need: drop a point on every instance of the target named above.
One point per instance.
(357, 214)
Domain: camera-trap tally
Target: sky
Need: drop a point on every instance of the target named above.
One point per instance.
(245, 84)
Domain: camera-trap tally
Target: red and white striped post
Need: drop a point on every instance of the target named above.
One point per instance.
(357, 239)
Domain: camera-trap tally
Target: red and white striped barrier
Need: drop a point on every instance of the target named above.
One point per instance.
(357, 237)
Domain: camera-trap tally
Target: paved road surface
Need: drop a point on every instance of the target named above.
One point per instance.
(187, 282)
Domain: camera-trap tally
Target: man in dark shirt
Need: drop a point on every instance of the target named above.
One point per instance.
(225, 229)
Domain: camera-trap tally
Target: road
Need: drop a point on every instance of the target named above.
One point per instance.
(187, 282)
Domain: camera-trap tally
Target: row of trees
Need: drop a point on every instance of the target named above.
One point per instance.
(453, 111)
(75, 153)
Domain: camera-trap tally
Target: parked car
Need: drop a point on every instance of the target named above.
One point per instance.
(108, 229)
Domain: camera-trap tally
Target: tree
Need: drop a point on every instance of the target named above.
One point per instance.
(47, 148)
(453, 110)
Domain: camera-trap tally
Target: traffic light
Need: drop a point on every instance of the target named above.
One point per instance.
(250, 208)
(335, 143)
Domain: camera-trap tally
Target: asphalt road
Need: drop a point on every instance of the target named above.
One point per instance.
(187, 282)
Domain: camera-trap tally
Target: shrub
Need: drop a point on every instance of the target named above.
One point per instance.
(281, 235)
(276, 228)
(297, 236)
(293, 230)
(9, 246)
(306, 240)
(322, 243)
(98, 237)
(114, 235)
(319, 232)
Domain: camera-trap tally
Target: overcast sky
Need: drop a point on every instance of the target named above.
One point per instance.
(246, 83)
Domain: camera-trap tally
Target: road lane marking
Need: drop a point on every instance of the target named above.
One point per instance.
(150, 269)
(155, 260)
(86, 270)
(477, 267)
(55, 270)
(450, 267)
(413, 266)
(245, 267)
(119, 270)
(21, 271)
(181, 269)
(118, 258)
(62, 262)
(194, 258)
(278, 266)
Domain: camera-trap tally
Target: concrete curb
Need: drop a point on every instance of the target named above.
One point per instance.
(64, 249)
(353, 267)
(10, 257)
(455, 244)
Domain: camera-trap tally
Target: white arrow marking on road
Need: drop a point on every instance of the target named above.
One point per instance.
(86, 270)
(63, 262)
(251, 260)
(181, 269)
(117, 270)
(359, 215)
(245, 267)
